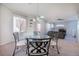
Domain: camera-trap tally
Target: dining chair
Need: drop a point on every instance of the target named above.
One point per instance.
(54, 39)
(18, 41)
(38, 47)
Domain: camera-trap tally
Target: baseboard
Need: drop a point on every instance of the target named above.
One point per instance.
(5, 42)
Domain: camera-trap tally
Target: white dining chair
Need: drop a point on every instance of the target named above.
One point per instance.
(19, 41)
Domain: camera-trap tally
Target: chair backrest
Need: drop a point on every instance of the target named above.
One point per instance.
(16, 36)
(53, 34)
(50, 33)
(62, 33)
(19, 35)
(38, 47)
(35, 33)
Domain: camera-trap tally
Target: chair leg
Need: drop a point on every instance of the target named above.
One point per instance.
(57, 49)
(14, 50)
(53, 46)
(47, 54)
(26, 50)
(17, 47)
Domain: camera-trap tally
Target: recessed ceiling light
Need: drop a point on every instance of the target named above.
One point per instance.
(34, 19)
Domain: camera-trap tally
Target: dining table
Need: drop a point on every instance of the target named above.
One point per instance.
(36, 37)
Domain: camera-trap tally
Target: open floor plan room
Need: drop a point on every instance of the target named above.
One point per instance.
(39, 29)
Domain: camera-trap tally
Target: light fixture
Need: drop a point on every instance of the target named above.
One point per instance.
(42, 17)
(38, 17)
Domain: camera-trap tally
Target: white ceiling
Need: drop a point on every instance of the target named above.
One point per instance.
(51, 11)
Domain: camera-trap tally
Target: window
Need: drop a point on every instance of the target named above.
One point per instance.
(52, 25)
(39, 27)
(49, 26)
(19, 24)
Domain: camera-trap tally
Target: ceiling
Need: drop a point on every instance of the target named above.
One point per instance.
(51, 11)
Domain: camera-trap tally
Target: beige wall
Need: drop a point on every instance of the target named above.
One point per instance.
(6, 25)
(0, 24)
(78, 30)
